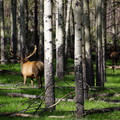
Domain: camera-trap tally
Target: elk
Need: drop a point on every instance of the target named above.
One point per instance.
(114, 56)
(32, 69)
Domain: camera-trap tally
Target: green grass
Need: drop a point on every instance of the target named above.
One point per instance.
(64, 108)
(13, 67)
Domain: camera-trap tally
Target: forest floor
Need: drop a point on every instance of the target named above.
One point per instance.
(22, 102)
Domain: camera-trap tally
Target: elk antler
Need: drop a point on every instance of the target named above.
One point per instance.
(34, 51)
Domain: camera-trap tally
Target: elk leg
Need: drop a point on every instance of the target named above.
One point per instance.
(32, 83)
(39, 82)
(24, 80)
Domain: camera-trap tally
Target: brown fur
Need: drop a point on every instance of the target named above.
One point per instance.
(114, 56)
(33, 69)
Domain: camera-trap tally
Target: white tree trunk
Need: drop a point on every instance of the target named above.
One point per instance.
(60, 41)
(48, 59)
(67, 29)
(78, 58)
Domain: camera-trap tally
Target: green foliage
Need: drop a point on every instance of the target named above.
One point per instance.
(63, 87)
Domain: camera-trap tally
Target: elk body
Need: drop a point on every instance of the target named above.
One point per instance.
(32, 69)
(114, 56)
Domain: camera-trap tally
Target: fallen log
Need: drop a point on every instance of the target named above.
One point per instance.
(23, 115)
(6, 114)
(33, 96)
(57, 99)
(9, 72)
(102, 110)
(105, 95)
(57, 117)
(22, 95)
(10, 114)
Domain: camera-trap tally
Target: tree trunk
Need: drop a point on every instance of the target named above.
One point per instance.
(67, 29)
(60, 41)
(115, 42)
(78, 58)
(13, 28)
(71, 43)
(27, 26)
(41, 28)
(104, 39)
(85, 84)
(2, 32)
(48, 59)
(36, 26)
(99, 70)
(22, 28)
(18, 32)
(89, 64)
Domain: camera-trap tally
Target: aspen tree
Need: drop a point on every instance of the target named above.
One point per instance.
(78, 58)
(48, 59)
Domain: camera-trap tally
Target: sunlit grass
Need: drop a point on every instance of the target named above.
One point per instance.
(10, 104)
(63, 87)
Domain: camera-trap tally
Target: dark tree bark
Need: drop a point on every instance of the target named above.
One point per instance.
(99, 64)
(115, 42)
(41, 29)
(13, 28)
(27, 25)
(104, 5)
(89, 64)
(21, 28)
(36, 26)
(2, 31)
